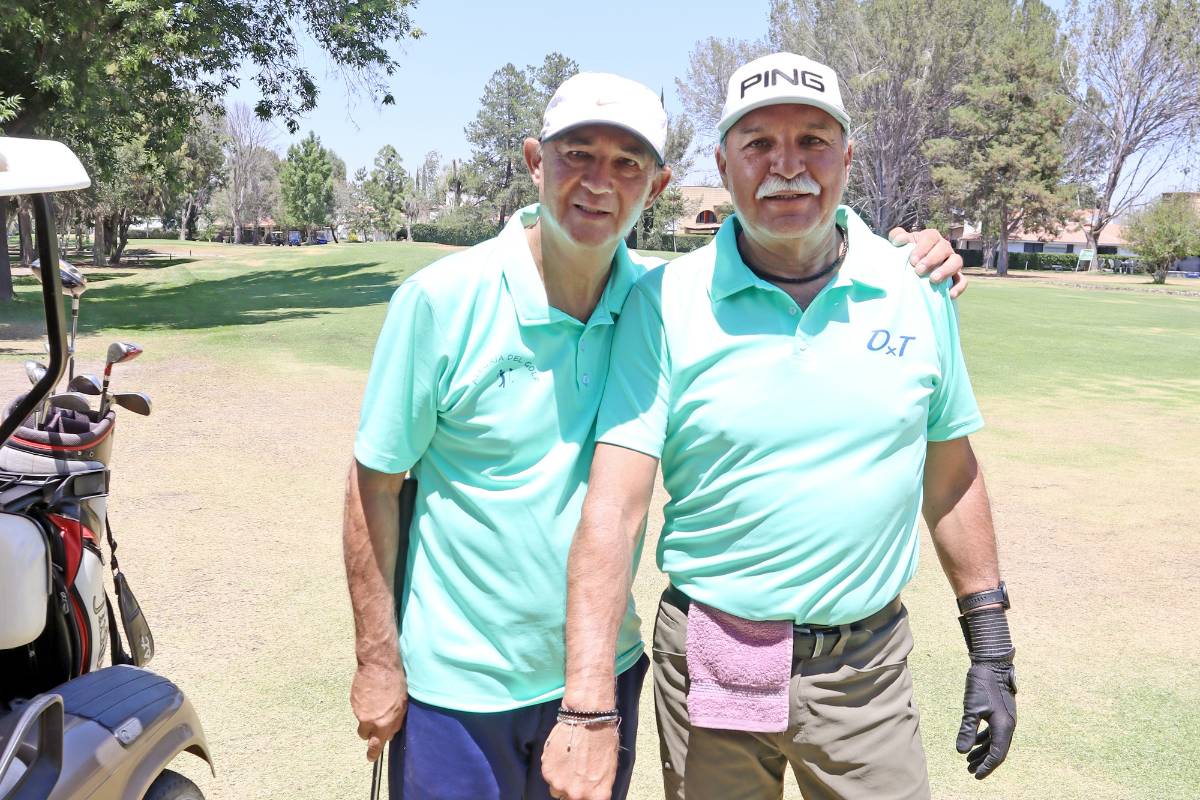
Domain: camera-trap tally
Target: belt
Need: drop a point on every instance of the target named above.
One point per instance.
(812, 641)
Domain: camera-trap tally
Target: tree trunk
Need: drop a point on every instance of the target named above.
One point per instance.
(79, 234)
(99, 246)
(237, 233)
(6, 286)
(184, 217)
(1092, 235)
(25, 234)
(1160, 275)
(408, 227)
(333, 233)
(122, 219)
(1002, 255)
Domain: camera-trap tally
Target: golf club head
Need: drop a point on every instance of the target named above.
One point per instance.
(137, 402)
(35, 371)
(73, 401)
(73, 281)
(120, 352)
(85, 384)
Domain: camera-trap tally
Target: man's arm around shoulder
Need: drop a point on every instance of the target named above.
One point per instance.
(370, 542)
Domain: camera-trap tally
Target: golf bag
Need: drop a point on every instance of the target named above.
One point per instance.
(53, 517)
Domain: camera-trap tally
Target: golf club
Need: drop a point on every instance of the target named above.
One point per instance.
(74, 283)
(35, 371)
(85, 383)
(72, 401)
(118, 353)
(137, 402)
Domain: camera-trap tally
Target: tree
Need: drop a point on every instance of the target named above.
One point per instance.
(1002, 161)
(246, 137)
(157, 57)
(385, 188)
(306, 184)
(553, 72)
(898, 61)
(1134, 83)
(711, 64)
(428, 189)
(657, 222)
(1165, 232)
(360, 213)
(506, 117)
(197, 170)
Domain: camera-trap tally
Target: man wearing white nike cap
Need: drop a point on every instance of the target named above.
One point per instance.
(484, 385)
(806, 399)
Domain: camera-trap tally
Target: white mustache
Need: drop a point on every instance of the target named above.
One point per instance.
(801, 184)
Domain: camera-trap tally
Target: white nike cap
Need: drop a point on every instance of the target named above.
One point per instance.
(600, 98)
(782, 78)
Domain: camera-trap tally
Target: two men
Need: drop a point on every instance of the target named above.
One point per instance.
(485, 385)
(806, 399)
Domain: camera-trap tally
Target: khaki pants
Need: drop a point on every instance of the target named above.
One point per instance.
(852, 726)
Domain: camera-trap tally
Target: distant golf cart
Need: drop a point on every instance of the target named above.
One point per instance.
(293, 239)
(70, 727)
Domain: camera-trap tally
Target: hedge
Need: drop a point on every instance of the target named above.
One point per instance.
(465, 234)
(684, 242)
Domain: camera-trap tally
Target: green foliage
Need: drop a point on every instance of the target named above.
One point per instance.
(157, 58)
(1042, 260)
(971, 258)
(385, 190)
(306, 183)
(1165, 232)
(1002, 159)
(465, 233)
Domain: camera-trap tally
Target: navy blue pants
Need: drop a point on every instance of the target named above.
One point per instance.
(443, 754)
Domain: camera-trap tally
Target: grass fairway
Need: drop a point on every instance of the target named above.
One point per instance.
(1091, 399)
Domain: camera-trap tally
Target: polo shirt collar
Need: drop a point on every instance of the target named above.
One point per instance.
(732, 275)
(529, 292)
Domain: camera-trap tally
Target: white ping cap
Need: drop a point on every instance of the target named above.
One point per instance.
(600, 98)
(782, 78)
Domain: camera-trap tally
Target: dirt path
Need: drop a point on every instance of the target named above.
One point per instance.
(227, 503)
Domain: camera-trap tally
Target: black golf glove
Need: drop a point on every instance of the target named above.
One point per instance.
(990, 695)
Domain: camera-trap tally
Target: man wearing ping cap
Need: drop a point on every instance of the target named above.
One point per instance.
(806, 399)
(484, 385)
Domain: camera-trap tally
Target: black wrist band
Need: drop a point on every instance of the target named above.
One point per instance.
(970, 602)
(987, 635)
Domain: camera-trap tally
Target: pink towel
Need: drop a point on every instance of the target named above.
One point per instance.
(740, 671)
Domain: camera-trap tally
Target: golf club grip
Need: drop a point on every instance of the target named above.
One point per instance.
(408, 503)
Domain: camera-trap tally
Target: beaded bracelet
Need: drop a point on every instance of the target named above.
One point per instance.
(614, 719)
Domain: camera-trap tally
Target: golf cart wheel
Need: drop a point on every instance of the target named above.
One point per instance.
(173, 786)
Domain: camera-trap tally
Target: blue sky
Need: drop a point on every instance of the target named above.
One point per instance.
(442, 74)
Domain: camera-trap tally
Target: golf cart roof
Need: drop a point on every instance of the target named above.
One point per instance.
(35, 166)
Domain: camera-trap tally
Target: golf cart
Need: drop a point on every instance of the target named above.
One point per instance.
(70, 727)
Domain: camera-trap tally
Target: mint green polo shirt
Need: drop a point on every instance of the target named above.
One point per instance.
(792, 442)
(489, 396)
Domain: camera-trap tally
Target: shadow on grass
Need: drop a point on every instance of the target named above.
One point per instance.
(251, 298)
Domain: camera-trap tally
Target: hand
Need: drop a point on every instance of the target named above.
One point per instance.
(580, 762)
(379, 697)
(991, 698)
(933, 253)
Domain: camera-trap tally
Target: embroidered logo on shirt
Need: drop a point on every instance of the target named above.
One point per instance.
(891, 344)
(501, 371)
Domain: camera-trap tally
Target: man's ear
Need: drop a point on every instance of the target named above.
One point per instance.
(532, 150)
(658, 185)
(849, 157)
(720, 156)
